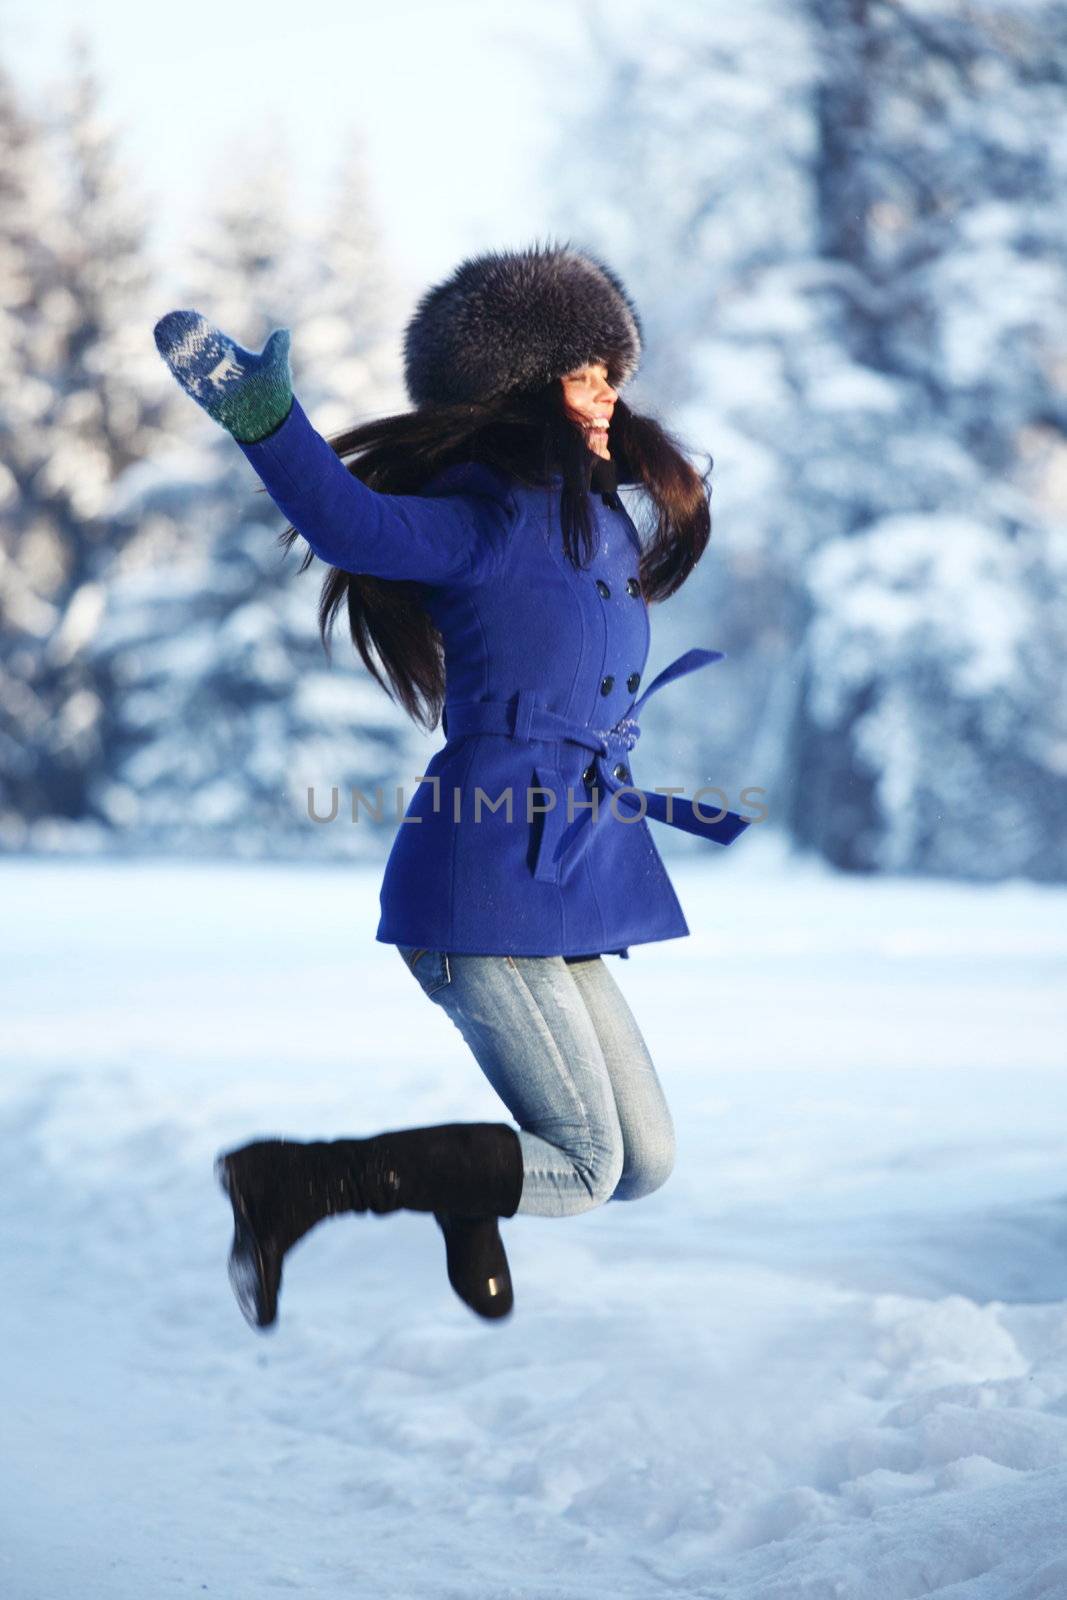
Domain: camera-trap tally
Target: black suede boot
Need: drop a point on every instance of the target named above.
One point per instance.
(280, 1188)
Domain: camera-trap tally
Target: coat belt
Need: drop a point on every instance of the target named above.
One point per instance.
(523, 717)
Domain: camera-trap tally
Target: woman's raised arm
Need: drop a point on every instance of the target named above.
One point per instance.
(454, 538)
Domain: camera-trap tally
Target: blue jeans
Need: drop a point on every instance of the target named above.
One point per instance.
(560, 1046)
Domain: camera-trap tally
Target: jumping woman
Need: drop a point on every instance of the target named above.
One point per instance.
(486, 560)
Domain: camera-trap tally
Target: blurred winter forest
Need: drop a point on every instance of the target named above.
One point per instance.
(844, 224)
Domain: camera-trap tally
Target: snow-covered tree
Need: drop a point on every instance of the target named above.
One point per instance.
(861, 304)
(78, 409)
(940, 199)
(226, 709)
(936, 683)
(350, 322)
(684, 155)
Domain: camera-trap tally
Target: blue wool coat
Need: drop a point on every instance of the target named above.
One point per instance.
(543, 663)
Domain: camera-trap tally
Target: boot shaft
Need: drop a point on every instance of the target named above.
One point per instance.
(468, 1168)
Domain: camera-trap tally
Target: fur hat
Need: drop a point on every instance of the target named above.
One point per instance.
(516, 319)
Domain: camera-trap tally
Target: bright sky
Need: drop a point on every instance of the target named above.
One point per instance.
(453, 96)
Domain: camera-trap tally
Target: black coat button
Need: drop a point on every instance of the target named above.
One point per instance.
(603, 588)
(620, 770)
(589, 775)
(632, 681)
(633, 586)
(607, 684)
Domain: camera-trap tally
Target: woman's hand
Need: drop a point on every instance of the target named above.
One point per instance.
(249, 395)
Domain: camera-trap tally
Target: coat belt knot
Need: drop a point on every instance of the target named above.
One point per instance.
(562, 840)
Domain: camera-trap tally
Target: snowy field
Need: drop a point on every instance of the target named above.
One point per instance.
(827, 1361)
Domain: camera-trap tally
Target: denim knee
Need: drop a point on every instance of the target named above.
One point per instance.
(649, 1173)
(601, 1175)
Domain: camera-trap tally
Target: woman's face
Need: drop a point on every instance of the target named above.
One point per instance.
(590, 399)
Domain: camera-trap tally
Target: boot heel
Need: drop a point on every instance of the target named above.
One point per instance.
(477, 1264)
(254, 1278)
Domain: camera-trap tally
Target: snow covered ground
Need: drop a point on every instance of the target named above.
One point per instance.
(827, 1361)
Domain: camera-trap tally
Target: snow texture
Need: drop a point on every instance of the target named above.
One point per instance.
(826, 1361)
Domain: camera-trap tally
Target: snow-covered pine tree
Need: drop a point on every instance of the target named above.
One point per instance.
(29, 557)
(932, 728)
(851, 245)
(228, 711)
(350, 324)
(687, 162)
(79, 405)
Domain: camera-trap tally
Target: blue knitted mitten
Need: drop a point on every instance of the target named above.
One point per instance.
(249, 395)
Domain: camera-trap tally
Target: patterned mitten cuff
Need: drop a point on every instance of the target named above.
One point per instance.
(248, 394)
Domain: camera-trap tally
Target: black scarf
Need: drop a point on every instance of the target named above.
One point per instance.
(604, 480)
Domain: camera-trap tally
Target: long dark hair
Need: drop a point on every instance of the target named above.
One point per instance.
(530, 436)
